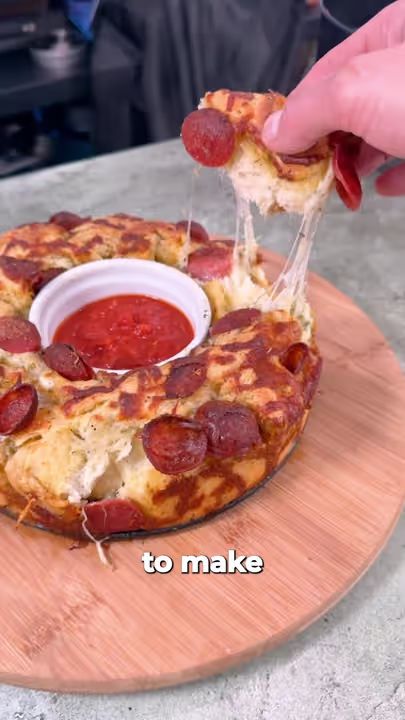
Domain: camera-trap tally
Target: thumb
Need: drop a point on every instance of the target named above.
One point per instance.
(363, 97)
(304, 119)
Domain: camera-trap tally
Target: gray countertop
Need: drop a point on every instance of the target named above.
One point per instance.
(350, 665)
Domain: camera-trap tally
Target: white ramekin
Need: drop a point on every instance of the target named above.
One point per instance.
(104, 278)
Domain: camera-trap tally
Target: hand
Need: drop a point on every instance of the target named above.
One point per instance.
(359, 87)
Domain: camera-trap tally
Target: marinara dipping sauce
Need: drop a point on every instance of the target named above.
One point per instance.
(126, 331)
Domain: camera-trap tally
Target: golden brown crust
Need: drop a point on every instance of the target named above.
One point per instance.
(85, 443)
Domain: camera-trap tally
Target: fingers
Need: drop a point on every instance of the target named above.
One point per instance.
(306, 117)
(364, 97)
(369, 160)
(392, 181)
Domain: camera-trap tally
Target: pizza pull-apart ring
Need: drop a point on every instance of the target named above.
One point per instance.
(90, 452)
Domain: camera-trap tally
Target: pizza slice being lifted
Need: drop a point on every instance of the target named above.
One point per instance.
(226, 132)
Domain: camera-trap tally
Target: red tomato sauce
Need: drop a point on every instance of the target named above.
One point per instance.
(126, 331)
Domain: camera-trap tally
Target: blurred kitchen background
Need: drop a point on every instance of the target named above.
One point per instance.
(84, 77)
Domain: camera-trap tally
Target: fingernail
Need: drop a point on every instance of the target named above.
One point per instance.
(271, 127)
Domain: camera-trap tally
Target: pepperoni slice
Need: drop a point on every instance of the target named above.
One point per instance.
(18, 335)
(17, 269)
(197, 232)
(348, 186)
(113, 515)
(43, 277)
(67, 220)
(18, 408)
(66, 361)
(207, 263)
(295, 357)
(235, 320)
(209, 137)
(186, 376)
(232, 429)
(28, 270)
(174, 445)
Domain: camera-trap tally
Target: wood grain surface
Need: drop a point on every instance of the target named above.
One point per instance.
(69, 623)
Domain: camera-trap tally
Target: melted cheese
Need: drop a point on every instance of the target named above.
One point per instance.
(102, 445)
(246, 286)
(256, 180)
(187, 245)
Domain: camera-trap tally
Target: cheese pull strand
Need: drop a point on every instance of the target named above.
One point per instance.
(289, 290)
(244, 253)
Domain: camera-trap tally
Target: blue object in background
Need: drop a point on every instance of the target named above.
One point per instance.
(81, 13)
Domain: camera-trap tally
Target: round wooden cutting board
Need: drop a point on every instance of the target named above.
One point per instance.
(70, 623)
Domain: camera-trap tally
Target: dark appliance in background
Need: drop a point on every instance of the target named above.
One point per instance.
(22, 22)
(41, 45)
